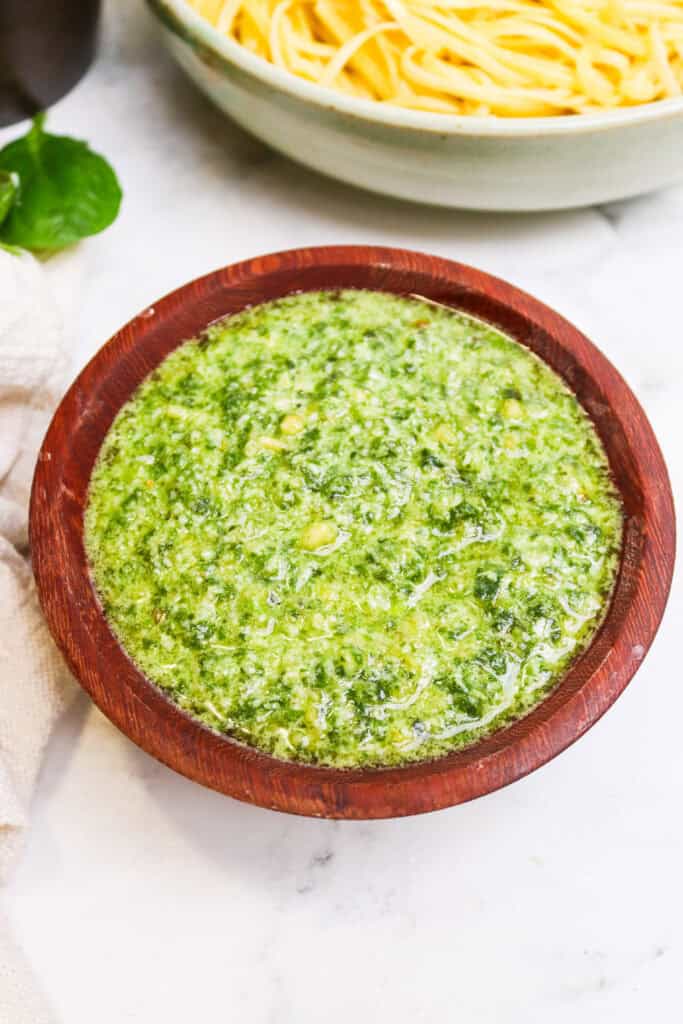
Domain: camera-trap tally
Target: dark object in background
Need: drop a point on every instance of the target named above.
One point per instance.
(46, 46)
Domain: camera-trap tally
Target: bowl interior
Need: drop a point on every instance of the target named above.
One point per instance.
(143, 712)
(220, 50)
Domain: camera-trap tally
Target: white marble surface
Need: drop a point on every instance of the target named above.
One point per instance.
(145, 898)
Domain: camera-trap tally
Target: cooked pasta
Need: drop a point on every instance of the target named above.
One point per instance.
(507, 58)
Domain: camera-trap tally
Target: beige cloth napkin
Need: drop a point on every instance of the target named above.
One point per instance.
(34, 683)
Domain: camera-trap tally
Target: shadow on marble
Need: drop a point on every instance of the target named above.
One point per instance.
(63, 745)
(296, 856)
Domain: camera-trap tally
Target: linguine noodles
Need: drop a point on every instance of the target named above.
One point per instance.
(507, 58)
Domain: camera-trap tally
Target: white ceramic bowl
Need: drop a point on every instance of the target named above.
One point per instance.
(469, 162)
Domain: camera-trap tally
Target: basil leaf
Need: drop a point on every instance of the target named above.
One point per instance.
(8, 192)
(65, 191)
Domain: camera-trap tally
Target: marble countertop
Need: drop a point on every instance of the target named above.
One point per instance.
(143, 897)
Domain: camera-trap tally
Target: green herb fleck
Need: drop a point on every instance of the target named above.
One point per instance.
(290, 556)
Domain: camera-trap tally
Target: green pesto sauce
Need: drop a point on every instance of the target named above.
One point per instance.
(353, 529)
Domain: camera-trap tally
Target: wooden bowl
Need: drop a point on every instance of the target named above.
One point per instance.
(144, 713)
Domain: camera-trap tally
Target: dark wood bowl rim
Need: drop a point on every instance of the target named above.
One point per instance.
(150, 719)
